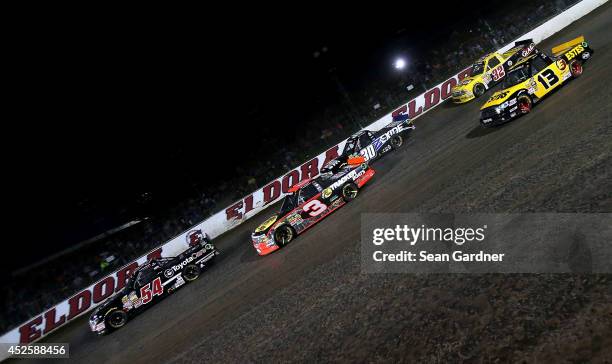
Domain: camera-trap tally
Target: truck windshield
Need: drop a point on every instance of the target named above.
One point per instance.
(349, 147)
(288, 204)
(516, 76)
(477, 68)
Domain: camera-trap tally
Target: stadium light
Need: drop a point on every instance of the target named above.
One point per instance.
(400, 63)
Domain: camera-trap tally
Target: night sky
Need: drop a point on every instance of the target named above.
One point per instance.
(114, 109)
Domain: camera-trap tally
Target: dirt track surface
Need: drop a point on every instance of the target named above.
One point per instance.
(310, 302)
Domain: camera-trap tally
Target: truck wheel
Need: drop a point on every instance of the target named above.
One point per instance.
(397, 141)
(191, 272)
(349, 191)
(283, 235)
(524, 104)
(575, 68)
(478, 90)
(116, 318)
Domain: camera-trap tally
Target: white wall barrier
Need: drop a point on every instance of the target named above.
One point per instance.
(82, 302)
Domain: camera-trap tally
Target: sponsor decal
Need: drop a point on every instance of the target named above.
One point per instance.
(574, 52)
(381, 140)
(179, 282)
(259, 239)
(336, 203)
(561, 64)
(199, 253)
(206, 259)
(127, 304)
(266, 224)
(182, 264)
(353, 175)
(136, 302)
(532, 89)
(326, 193)
(386, 136)
(499, 95)
(168, 273)
(527, 51)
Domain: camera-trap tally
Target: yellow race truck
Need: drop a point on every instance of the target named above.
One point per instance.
(531, 76)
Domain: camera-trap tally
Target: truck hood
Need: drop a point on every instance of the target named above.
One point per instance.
(497, 98)
(468, 81)
(112, 301)
(265, 226)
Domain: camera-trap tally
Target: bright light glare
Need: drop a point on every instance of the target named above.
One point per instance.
(400, 63)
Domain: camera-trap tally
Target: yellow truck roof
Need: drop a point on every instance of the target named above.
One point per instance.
(511, 51)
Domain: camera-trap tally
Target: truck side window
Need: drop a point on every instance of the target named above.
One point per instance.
(538, 64)
(493, 62)
(364, 140)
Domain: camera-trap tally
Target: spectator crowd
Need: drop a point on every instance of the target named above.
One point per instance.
(30, 292)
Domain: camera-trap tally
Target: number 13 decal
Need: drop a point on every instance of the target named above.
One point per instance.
(315, 207)
(550, 77)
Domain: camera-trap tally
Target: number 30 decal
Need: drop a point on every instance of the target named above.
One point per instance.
(315, 207)
(368, 152)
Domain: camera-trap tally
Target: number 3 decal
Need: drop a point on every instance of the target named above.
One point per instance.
(315, 207)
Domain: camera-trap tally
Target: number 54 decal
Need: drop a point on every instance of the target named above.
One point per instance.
(146, 295)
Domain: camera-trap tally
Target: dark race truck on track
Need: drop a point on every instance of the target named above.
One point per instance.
(309, 202)
(372, 145)
(151, 282)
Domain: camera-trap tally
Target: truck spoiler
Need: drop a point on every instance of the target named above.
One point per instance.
(561, 48)
(519, 45)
